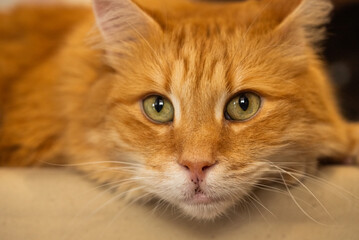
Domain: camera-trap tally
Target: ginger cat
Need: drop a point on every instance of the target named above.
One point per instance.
(190, 102)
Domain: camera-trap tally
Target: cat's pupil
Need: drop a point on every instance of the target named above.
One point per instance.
(158, 104)
(243, 102)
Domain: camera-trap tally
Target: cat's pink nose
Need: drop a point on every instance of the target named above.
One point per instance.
(197, 170)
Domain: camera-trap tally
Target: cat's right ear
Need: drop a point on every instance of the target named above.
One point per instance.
(303, 20)
(122, 20)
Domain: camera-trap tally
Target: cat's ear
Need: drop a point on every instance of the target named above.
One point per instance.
(122, 20)
(304, 19)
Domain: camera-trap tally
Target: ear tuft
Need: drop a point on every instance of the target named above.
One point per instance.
(122, 20)
(309, 16)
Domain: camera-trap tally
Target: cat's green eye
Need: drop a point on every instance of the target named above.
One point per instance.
(158, 109)
(243, 107)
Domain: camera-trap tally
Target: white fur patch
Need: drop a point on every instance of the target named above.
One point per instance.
(177, 106)
(218, 110)
(178, 73)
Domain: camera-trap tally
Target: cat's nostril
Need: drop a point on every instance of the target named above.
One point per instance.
(197, 169)
(205, 168)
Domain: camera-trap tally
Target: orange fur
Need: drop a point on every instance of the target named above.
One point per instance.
(82, 105)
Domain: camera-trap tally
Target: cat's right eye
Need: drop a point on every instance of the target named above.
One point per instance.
(158, 109)
(243, 107)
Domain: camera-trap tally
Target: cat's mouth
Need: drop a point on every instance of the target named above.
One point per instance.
(201, 198)
(202, 206)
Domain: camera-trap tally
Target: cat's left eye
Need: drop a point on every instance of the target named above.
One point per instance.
(243, 107)
(158, 108)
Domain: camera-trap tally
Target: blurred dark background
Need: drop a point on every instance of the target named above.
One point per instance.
(342, 54)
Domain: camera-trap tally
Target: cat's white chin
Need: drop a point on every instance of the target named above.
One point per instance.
(205, 210)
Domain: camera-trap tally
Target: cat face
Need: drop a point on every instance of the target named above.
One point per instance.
(205, 71)
(231, 155)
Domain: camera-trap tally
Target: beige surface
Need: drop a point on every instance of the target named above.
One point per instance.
(11, 3)
(61, 204)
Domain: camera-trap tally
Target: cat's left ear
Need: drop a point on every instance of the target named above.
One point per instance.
(123, 21)
(303, 20)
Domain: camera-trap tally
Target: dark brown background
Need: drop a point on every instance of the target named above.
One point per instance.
(342, 54)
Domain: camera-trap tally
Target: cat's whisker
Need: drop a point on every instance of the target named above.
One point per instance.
(116, 197)
(119, 174)
(123, 169)
(256, 199)
(302, 173)
(99, 195)
(316, 179)
(296, 202)
(303, 185)
(276, 181)
(280, 191)
(117, 169)
(167, 206)
(269, 188)
(90, 163)
(323, 181)
(84, 207)
(118, 183)
(255, 206)
(158, 204)
(247, 208)
(130, 168)
(124, 208)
